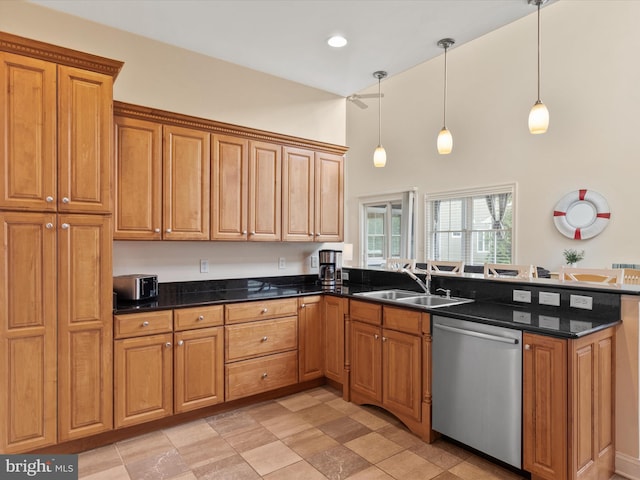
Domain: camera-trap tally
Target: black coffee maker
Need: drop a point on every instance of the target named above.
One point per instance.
(330, 267)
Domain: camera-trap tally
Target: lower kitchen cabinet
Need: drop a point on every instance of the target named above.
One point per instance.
(333, 311)
(310, 338)
(568, 408)
(388, 367)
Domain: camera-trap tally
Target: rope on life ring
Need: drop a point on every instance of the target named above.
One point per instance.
(587, 231)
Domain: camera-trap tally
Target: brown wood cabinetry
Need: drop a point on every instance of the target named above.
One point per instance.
(385, 341)
(333, 311)
(311, 338)
(158, 373)
(261, 346)
(568, 390)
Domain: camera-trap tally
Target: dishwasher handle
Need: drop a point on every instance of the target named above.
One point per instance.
(473, 333)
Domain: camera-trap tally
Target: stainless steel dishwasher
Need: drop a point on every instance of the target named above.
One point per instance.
(477, 386)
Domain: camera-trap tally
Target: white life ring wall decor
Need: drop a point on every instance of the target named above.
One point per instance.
(581, 214)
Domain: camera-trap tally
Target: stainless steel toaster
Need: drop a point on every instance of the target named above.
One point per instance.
(136, 286)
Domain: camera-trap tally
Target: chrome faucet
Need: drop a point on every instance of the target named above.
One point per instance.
(424, 286)
(447, 293)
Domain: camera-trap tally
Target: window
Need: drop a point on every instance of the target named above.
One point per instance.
(387, 226)
(474, 226)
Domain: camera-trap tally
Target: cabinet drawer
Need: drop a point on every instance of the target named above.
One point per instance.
(365, 312)
(261, 374)
(260, 338)
(249, 311)
(402, 319)
(139, 324)
(198, 317)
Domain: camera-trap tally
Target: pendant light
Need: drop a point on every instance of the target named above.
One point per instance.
(379, 155)
(445, 140)
(539, 115)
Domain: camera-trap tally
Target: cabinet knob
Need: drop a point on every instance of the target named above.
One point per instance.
(145, 324)
(244, 232)
(384, 339)
(168, 230)
(156, 230)
(264, 339)
(65, 226)
(264, 310)
(180, 343)
(200, 318)
(264, 375)
(527, 347)
(49, 225)
(65, 200)
(375, 335)
(252, 232)
(49, 199)
(168, 344)
(311, 234)
(304, 305)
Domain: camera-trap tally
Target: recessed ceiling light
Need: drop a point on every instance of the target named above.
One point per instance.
(337, 41)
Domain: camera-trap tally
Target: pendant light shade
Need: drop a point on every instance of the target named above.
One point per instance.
(445, 140)
(379, 155)
(539, 114)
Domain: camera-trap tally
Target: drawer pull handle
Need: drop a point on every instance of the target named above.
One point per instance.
(168, 344)
(264, 375)
(264, 339)
(264, 310)
(180, 343)
(201, 317)
(376, 336)
(145, 324)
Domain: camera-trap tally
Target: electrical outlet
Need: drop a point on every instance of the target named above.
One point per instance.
(523, 296)
(522, 317)
(204, 266)
(549, 298)
(282, 262)
(314, 261)
(581, 301)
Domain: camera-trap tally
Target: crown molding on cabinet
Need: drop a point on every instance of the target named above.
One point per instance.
(178, 119)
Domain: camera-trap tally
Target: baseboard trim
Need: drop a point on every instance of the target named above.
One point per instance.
(627, 466)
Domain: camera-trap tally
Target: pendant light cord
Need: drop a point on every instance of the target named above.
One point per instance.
(444, 112)
(539, 2)
(379, 114)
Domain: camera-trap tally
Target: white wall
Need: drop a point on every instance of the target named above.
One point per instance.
(158, 75)
(590, 79)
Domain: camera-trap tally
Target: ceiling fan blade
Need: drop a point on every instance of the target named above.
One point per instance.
(368, 95)
(355, 100)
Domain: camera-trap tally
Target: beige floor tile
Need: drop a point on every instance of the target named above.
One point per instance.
(344, 429)
(207, 451)
(232, 422)
(98, 460)
(309, 442)
(436, 455)
(447, 476)
(468, 471)
(400, 435)
(267, 411)
(297, 471)
(319, 414)
(230, 468)
(271, 457)
(495, 469)
(369, 420)
(250, 439)
(298, 401)
(373, 447)
(286, 425)
(409, 466)
(157, 467)
(338, 463)
(192, 432)
(185, 476)
(114, 473)
(345, 407)
(371, 473)
(144, 446)
(325, 394)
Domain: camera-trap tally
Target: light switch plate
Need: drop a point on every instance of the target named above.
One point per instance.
(523, 296)
(549, 298)
(282, 262)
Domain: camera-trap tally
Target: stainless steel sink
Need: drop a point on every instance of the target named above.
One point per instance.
(392, 294)
(433, 301)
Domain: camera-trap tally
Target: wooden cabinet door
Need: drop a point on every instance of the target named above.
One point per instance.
(544, 405)
(27, 331)
(198, 368)
(298, 195)
(185, 173)
(265, 191)
(366, 360)
(329, 201)
(333, 313)
(229, 188)
(401, 373)
(85, 332)
(85, 118)
(143, 379)
(311, 339)
(27, 133)
(138, 177)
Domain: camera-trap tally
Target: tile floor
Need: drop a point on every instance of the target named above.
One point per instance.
(306, 436)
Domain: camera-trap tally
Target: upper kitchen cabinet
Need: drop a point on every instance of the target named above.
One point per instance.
(55, 127)
(313, 202)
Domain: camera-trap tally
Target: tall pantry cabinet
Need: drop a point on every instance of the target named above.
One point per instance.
(55, 211)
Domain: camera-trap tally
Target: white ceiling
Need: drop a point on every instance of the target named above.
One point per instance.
(287, 38)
